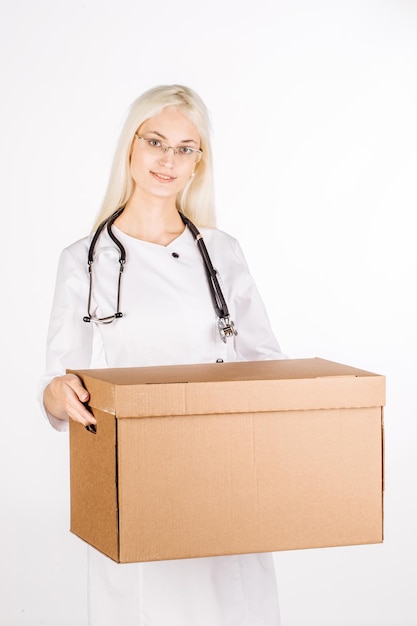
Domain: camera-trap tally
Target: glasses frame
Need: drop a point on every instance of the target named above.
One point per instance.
(165, 147)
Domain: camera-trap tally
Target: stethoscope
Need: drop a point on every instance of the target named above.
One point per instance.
(225, 324)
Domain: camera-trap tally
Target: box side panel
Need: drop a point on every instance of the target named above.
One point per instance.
(226, 484)
(184, 485)
(93, 473)
(332, 491)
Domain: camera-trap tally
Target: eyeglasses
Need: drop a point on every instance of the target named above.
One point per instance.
(156, 146)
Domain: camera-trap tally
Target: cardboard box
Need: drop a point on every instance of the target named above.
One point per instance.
(229, 458)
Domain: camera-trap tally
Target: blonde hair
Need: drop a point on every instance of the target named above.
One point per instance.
(196, 200)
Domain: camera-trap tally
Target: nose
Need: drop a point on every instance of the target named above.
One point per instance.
(168, 157)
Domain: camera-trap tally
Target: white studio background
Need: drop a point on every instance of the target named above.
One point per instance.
(313, 106)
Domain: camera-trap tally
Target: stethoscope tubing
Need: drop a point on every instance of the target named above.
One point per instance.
(225, 325)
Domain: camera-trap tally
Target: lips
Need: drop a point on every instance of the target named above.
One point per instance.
(164, 178)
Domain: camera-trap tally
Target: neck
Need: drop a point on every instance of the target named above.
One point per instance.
(156, 222)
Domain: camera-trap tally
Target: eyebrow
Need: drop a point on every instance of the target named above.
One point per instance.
(155, 132)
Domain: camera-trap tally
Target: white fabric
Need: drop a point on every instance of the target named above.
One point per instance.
(168, 318)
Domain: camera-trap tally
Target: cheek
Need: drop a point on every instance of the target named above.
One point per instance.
(187, 170)
(137, 166)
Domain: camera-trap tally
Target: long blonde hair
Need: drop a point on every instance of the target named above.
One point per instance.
(196, 200)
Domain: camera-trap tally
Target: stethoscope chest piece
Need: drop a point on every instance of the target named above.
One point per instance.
(226, 328)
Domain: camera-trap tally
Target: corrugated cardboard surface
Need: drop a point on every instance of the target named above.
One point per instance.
(244, 457)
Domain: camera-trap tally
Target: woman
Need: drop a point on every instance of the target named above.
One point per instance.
(163, 311)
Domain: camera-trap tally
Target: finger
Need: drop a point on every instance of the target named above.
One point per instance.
(76, 385)
(86, 419)
(77, 411)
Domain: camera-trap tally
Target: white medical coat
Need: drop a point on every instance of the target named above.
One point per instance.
(168, 318)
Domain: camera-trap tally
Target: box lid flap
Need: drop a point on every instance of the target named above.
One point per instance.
(238, 387)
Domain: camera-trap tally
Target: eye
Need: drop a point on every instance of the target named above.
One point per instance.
(154, 143)
(185, 150)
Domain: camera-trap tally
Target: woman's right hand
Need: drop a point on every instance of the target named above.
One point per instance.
(64, 398)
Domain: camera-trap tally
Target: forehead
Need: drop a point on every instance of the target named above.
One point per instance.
(171, 123)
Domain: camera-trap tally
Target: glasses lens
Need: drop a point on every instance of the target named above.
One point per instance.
(153, 145)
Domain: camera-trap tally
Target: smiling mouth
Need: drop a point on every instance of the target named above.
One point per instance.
(163, 177)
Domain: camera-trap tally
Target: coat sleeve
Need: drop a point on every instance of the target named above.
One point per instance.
(255, 340)
(69, 339)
